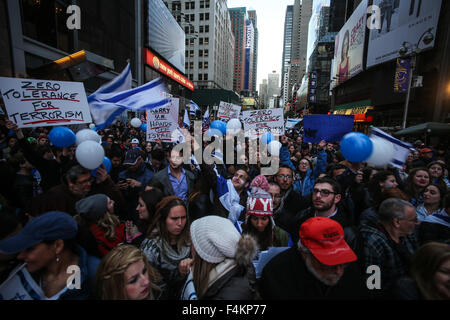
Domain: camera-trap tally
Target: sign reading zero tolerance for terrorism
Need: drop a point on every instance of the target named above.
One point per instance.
(42, 103)
(258, 122)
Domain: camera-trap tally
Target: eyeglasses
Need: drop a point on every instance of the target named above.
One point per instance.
(86, 181)
(304, 164)
(282, 177)
(415, 220)
(324, 192)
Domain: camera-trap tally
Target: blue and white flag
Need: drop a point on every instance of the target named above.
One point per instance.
(229, 198)
(194, 108)
(290, 123)
(206, 121)
(108, 102)
(186, 121)
(402, 149)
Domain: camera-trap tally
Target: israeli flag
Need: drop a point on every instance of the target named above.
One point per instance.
(290, 123)
(206, 121)
(193, 108)
(112, 99)
(186, 121)
(402, 149)
(229, 198)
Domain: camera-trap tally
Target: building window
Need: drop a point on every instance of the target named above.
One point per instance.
(205, 65)
(200, 41)
(200, 53)
(192, 17)
(206, 52)
(191, 53)
(202, 29)
(206, 28)
(200, 77)
(207, 16)
(206, 6)
(200, 65)
(206, 41)
(202, 4)
(202, 16)
(186, 30)
(191, 65)
(205, 76)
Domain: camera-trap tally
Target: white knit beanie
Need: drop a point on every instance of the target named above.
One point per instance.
(214, 238)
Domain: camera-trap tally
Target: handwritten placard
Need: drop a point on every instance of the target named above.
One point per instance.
(331, 128)
(258, 122)
(163, 121)
(228, 111)
(41, 103)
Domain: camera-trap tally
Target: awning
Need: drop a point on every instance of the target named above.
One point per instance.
(357, 108)
(432, 128)
(81, 65)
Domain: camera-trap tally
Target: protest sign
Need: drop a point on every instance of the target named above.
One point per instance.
(258, 122)
(228, 111)
(41, 103)
(331, 128)
(162, 121)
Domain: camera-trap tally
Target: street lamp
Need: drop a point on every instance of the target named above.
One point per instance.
(412, 50)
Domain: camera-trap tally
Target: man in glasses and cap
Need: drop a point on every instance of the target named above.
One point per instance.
(320, 268)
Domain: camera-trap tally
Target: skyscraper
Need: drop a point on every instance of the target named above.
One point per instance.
(238, 18)
(253, 17)
(209, 41)
(301, 14)
(287, 48)
(273, 86)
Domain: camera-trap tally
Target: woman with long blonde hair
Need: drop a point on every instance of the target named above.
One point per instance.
(125, 274)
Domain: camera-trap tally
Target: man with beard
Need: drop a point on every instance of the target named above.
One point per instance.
(326, 197)
(291, 201)
(320, 268)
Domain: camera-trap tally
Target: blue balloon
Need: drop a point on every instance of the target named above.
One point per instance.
(219, 125)
(144, 127)
(62, 137)
(267, 138)
(106, 163)
(356, 147)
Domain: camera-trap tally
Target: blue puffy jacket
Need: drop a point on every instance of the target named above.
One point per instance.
(305, 185)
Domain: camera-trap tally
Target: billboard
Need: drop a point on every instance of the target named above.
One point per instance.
(164, 34)
(349, 46)
(401, 21)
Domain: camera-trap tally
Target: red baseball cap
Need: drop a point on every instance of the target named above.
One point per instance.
(425, 150)
(324, 237)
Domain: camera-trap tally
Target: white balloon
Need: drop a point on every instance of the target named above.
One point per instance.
(234, 126)
(87, 135)
(136, 123)
(383, 152)
(92, 126)
(274, 148)
(214, 133)
(90, 154)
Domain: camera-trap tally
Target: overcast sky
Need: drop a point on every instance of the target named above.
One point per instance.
(270, 15)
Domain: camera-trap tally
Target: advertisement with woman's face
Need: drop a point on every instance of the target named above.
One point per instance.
(349, 46)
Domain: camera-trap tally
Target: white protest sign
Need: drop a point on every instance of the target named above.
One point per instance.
(42, 103)
(228, 111)
(258, 122)
(162, 121)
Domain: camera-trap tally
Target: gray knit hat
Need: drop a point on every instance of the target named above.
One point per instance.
(214, 238)
(93, 207)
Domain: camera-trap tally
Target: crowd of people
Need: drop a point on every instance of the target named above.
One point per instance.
(156, 228)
